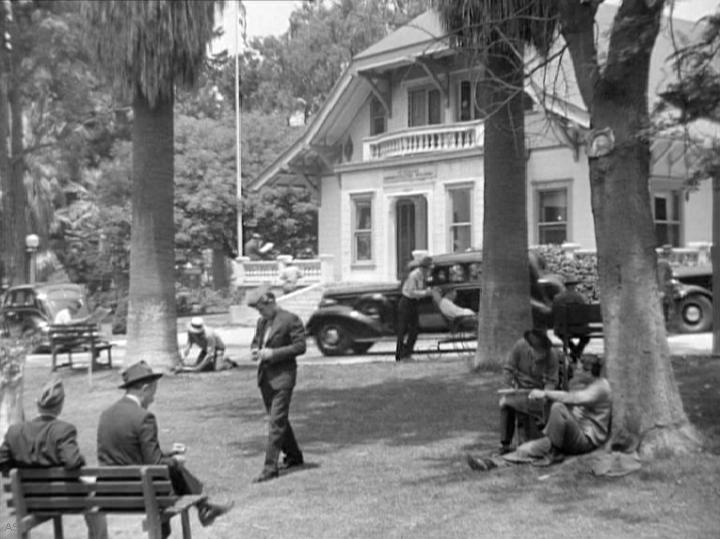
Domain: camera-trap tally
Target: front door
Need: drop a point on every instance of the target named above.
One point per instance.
(405, 235)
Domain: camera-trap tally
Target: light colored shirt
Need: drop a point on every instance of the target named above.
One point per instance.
(63, 317)
(414, 286)
(592, 407)
(522, 370)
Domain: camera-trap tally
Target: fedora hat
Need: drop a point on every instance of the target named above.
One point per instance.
(262, 295)
(571, 278)
(196, 325)
(138, 372)
(52, 395)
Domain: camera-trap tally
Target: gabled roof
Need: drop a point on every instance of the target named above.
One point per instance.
(425, 35)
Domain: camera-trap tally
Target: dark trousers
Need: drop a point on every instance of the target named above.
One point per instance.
(280, 434)
(407, 326)
(564, 431)
(520, 407)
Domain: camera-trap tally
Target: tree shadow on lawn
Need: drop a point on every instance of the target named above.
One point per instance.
(396, 411)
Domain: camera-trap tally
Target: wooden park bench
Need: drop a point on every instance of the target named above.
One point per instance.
(41, 494)
(77, 337)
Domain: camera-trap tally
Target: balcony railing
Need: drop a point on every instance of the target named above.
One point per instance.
(428, 138)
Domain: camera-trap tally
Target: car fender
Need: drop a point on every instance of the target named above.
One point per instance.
(684, 290)
(361, 325)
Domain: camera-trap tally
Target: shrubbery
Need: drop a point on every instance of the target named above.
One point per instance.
(583, 267)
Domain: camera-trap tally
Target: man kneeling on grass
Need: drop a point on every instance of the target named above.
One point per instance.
(579, 421)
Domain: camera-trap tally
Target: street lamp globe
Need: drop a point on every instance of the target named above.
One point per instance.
(32, 241)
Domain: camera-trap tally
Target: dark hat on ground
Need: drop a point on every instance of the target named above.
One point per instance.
(52, 395)
(538, 336)
(262, 295)
(138, 372)
(571, 278)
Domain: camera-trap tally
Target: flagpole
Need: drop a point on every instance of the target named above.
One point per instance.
(238, 179)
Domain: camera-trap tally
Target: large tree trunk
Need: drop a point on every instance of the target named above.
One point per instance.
(504, 300)
(152, 324)
(5, 176)
(646, 401)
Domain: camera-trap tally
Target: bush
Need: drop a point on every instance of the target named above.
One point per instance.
(583, 267)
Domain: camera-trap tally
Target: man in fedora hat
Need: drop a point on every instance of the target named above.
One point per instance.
(279, 338)
(531, 364)
(212, 349)
(128, 435)
(252, 247)
(413, 289)
(46, 442)
(578, 339)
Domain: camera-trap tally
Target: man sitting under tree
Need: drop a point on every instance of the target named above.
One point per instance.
(579, 420)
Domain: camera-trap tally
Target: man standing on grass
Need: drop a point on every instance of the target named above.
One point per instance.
(579, 420)
(279, 339)
(128, 435)
(531, 364)
(414, 288)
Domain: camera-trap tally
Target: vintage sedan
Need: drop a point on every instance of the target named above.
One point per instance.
(37, 304)
(692, 295)
(354, 317)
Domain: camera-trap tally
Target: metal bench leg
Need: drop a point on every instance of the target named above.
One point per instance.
(186, 530)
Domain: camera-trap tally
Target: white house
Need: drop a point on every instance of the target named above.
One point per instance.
(396, 156)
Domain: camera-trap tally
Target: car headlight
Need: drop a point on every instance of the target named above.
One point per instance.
(326, 302)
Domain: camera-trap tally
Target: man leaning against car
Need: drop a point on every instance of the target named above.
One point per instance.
(413, 289)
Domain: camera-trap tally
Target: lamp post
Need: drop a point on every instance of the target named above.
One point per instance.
(31, 244)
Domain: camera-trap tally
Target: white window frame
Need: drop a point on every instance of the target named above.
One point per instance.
(450, 220)
(377, 111)
(670, 196)
(543, 187)
(355, 200)
(426, 89)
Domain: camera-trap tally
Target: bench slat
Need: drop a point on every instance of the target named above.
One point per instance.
(102, 503)
(101, 487)
(110, 472)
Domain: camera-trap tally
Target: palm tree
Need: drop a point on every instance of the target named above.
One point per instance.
(145, 49)
(496, 32)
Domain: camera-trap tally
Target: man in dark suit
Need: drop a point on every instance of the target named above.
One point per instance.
(45, 442)
(279, 339)
(128, 435)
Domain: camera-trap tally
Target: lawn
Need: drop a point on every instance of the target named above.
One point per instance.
(385, 447)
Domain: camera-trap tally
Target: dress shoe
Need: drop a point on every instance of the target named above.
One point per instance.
(209, 512)
(480, 465)
(291, 463)
(553, 457)
(266, 476)
(505, 449)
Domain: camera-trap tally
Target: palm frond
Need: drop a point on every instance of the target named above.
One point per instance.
(148, 47)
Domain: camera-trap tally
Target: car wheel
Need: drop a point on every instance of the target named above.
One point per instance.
(694, 314)
(333, 339)
(361, 347)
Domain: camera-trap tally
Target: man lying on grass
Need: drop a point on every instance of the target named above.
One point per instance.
(579, 421)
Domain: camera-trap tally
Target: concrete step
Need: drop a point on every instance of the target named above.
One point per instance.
(302, 302)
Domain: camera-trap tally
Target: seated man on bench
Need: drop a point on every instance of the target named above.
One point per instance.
(45, 442)
(66, 316)
(578, 339)
(531, 364)
(579, 421)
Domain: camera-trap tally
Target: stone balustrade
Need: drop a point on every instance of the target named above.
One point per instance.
(248, 272)
(696, 253)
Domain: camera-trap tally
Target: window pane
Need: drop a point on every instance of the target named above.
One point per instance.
(464, 106)
(416, 108)
(555, 234)
(460, 238)
(675, 201)
(460, 200)
(661, 213)
(363, 246)
(667, 234)
(363, 217)
(377, 117)
(553, 206)
(434, 107)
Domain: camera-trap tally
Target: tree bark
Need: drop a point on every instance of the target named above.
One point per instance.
(5, 176)
(504, 306)
(647, 409)
(152, 323)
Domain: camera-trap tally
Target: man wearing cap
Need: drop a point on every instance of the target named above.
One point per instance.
(128, 435)
(579, 420)
(252, 247)
(46, 442)
(212, 349)
(531, 364)
(279, 338)
(413, 289)
(67, 315)
(578, 340)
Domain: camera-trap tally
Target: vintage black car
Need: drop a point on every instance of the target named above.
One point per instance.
(693, 298)
(37, 304)
(354, 317)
